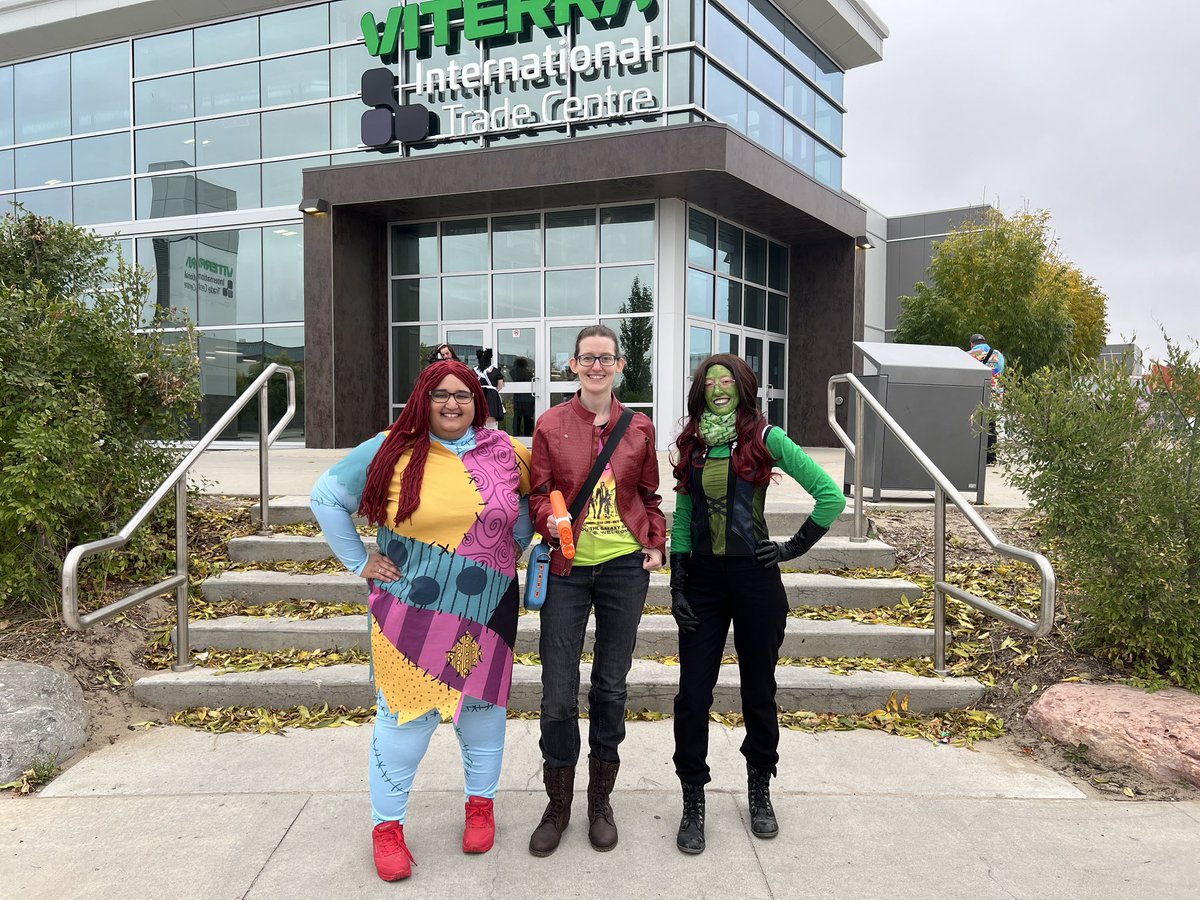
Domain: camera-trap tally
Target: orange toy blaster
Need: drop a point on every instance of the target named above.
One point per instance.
(563, 520)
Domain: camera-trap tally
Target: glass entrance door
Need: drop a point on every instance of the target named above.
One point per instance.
(521, 357)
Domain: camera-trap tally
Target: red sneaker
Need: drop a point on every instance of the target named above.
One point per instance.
(480, 831)
(392, 859)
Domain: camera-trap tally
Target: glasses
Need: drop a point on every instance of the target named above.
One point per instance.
(726, 382)
(588, 360)
(441, 395)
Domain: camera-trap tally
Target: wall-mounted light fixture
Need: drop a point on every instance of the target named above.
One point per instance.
(314, 206)
(862, 242)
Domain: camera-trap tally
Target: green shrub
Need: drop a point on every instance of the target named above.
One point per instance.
(1115, 466)
(80, 391)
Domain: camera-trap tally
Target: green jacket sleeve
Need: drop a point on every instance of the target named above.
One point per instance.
(681, 524)
(812, 477)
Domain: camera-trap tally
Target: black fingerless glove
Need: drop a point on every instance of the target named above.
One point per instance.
(685, 618)
(772, 553)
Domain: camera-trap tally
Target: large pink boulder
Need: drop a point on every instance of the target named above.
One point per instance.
(1158, 733)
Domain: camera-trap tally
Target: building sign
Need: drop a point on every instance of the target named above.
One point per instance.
(388, 122)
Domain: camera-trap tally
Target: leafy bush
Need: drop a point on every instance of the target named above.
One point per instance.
(80, 392)
(1115, 466)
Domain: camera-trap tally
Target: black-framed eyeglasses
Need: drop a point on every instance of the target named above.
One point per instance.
(588, 360)
(441, 395)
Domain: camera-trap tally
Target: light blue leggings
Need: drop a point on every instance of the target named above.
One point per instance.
(396, 750)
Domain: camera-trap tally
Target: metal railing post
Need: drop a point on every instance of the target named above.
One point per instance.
(264, 502)
(860, 517)
(939, 576)
(183, 647)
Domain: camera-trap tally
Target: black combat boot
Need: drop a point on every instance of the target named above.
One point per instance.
(762, 814)
(691, 827)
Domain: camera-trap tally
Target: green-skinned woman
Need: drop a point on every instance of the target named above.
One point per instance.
(725, 569)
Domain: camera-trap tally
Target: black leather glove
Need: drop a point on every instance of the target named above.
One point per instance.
(772, 553)
(685, 618)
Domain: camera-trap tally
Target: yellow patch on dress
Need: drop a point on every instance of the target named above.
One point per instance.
(409, 691)
(465, 655)
(450, 486)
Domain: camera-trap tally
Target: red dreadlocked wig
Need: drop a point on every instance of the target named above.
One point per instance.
(410, 432)
(751, 458)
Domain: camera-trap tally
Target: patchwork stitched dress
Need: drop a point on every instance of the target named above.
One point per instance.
(444, 631)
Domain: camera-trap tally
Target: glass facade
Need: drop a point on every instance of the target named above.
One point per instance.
(222, 118)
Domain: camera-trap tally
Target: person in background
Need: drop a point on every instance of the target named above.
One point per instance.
(725, 569)
(447, 496)
(993, 358)
(492, 379)
(620, 538)
(442, 351)
(523, 403)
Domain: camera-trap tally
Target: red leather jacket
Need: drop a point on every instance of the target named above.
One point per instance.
(564, 450)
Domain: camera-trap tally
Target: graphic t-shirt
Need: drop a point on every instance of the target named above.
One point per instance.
(604, 535)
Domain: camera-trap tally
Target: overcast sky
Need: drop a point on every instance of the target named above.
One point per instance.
(1087, 108)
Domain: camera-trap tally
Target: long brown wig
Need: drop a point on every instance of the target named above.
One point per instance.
(751, 458)
(410, 431)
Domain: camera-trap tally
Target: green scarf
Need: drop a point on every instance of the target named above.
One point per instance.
(716, 430)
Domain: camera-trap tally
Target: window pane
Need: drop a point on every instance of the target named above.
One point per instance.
(101, 157)
(162, 53)
(766, 71)
(778, 275)
(465, 297)
(729, 301)
(166, 195)
(296, 29)
(702, 238)
(729, 249)
(627, 289)
(286, 132)
(44, 164)
(764, 125)
(754, 354)
(415, 299)
(699, 294)
(222, 190)
(226, 42)
(163, 99)
(172, 147)
(777, 313)
(410, 348)
(166, 260)
(726, 99)
(344, 16)
(40, 90)
(100, 89)
(286, 347)
(756, 259)
(727, 343)
(7, 175)
(414, 249)
(571, 237)
(636, 337)
(798, 97)
(827, 166)
(228, 275)
(756, 307)
(230, 89)
(829, 122)
(775, 357)
(562, 348)
(283, 274)
(699, 347)
(464, 245)
(346, 118)
(516, 242)
(6, 105)
(110, 201)
(626, 233)
(283, 182)
(293, 79)
(727, 41)
(571, 292)
(227, 140)
(798, 148)
(517, 295)
(54, 204)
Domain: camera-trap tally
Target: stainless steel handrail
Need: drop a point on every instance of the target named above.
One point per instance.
(942, 489)
(177, 481)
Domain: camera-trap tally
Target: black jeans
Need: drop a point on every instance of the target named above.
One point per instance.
(617, 590)
(723, 590)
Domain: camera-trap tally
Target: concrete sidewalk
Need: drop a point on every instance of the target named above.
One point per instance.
(294, 470)
(181, 814)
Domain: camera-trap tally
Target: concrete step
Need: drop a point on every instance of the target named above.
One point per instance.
(657, 636)
(652, 686)
(783, 517)
(803, 589)
(833, 552)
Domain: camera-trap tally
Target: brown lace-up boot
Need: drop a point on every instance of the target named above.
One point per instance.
(602, 831)
(560, 786)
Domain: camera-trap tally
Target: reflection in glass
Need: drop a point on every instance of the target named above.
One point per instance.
(345, 120)
(414, 249)
(171, 288)
(283, 274)
(295, 29)
(827, 166)
(516, 242)
(756, 307)
(798, 97)
(627, 233)
(100, 89)
(227, 140)
(41, 90)
(699, 347)
(414, 299)
(764, 125)
(627, 289)
(287, 132)
(562, 348)
(775, 357)
(163, 99)
(6, 105)
(465, 297)
(829, 122)
(44, 164)
(107, 201)
(702, 238)
(282, 182)
(230, 89)
(516, 354)
(729, 249)
(798, 148)
(345, 15)
(727, 41)
(7, 177)
(464, 245)
(756, 259)
(100, 157)
(293, 79)
(571, 237)
(162, 53)
(346, 65)
(727, 343)
(571, 292)
(163, 196)
(411, 345)
(217, 273)
(699, 294)
(516, 295)
(636, 337)
(466, 342)
(226, 41)
(221, 190)
(729, 301)
(170, 147)
(53, 204)
(777, 313)
(766, 72)
(754, 353)
(726, 99)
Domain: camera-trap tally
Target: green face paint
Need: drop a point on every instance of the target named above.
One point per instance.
(720, 391)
